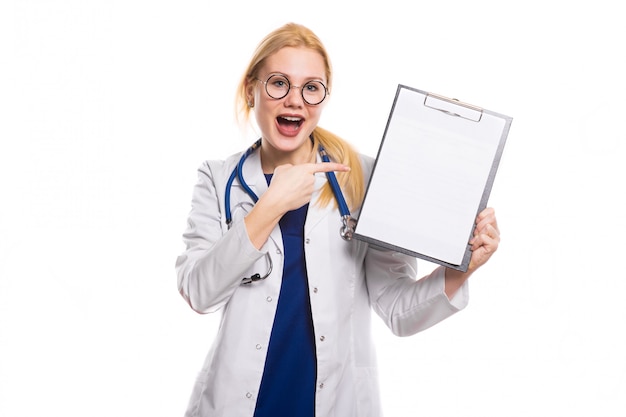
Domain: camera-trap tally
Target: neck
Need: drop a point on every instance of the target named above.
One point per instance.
(272, 157)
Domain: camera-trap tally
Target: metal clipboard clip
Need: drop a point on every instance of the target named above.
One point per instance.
(453, 107)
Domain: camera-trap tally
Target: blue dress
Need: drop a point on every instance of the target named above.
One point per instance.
(288, 383)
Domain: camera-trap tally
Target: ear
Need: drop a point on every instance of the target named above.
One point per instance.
(250, 92)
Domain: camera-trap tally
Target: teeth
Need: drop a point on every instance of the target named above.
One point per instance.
(291, 119)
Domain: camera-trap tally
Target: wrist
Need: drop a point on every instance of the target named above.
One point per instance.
(454, 280)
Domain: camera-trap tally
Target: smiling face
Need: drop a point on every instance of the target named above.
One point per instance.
(286, 123)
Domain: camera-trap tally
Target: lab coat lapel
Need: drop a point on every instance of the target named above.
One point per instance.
(316, 213)
(253, 174)
(254, 177)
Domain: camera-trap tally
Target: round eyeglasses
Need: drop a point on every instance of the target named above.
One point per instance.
(277, 86)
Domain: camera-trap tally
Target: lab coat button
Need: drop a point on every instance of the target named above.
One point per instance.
(258, 347)
(307, 241)
(321, 385)
(278, 251)
(315, 290)
(248, 395)
(322, 338)
(269, 299)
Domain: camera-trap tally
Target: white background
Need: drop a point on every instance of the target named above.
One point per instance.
(108, 107)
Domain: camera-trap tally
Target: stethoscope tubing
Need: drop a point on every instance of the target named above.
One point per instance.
(349, 222)
(238, 173)
(334, 185)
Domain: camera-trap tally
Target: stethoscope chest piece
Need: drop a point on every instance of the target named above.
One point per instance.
(257, 277)
(347, 229)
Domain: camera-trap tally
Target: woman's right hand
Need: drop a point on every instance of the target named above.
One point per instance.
(291, 187)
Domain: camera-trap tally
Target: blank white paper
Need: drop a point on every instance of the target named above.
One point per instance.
(430, 177)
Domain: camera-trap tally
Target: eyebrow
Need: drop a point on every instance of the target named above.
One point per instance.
(306, 80)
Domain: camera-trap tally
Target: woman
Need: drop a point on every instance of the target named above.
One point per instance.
(298, 342)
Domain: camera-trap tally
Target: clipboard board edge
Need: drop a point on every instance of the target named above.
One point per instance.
(484, 200)
(384, 245)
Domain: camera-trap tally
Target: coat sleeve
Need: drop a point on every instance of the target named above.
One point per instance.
(215, 259)
(406, 305)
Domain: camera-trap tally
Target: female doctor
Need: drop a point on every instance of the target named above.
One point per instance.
(263, 247)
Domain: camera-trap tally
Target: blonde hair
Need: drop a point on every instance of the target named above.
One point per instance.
(294, 35)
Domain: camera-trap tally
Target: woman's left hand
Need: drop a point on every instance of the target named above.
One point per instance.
(484, 243)
(486, 238)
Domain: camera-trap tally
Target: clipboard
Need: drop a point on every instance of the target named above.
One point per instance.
(433, 174)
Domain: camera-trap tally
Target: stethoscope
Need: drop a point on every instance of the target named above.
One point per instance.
(348, 222)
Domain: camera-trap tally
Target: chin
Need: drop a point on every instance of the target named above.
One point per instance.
(286, 143)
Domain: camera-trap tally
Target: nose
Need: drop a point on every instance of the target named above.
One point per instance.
(294, 97)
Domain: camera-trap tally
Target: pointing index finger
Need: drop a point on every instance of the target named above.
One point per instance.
(328, 167)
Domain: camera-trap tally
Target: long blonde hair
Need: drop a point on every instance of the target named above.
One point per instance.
(294, 35)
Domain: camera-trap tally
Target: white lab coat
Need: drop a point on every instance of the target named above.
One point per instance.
(346, 281)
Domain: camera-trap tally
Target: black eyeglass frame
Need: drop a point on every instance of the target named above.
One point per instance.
(290, 86)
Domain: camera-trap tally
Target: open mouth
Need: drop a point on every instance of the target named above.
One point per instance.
(289, 123)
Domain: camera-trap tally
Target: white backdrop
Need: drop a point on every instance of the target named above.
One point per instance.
(108, 107)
